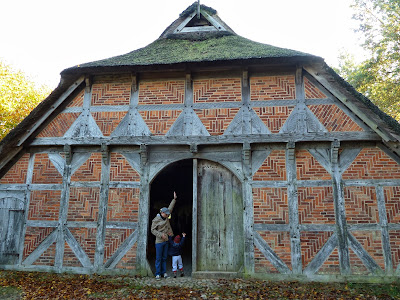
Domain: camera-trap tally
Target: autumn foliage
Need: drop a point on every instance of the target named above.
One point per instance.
(18, 96)
(34, 285)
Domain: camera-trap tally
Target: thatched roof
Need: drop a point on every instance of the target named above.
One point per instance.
(194, 46)
(173, 51)
(177, 48)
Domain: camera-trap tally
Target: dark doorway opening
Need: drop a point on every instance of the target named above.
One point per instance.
(176, 177)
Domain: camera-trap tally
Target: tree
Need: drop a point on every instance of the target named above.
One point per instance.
(18, 96)
(377, 77)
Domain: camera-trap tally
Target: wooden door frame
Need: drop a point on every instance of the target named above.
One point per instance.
(148, 176)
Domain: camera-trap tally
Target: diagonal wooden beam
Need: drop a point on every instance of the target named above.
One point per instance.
(47, 242)
(121, 251)
(77, 249)
(346, 158)
(270, 254)
(55, 105)
(368, 261)
(321, 256)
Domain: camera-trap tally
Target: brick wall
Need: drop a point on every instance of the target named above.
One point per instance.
(108, 121)
(261, 264)
(217, 90)
(392, 201)
(113, 240)
(333, 118)
(372, 163)
(17, 173)
(361, 206)
(129, 260)
(270, 205)
(279, 242)
(123, 205)
(86, 238)
(34, 236)
(44, 171)
(311, 243)
(394, 236)
(121, 170)
(372, 243)
(161, 92)
(273, 168)
(308, 168)
(311, 90)
(44, 205)
(90, 170)
(274, 117)
(59, 125)
(111, 93)
(272, 88)
(83, 204)
(316, 205)
(331, 265)
(159, 122)
(216, 120)
(78, 100)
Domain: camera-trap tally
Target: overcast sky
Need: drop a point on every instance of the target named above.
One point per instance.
(44, 37)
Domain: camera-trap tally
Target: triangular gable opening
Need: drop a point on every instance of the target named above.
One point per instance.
(205, 23)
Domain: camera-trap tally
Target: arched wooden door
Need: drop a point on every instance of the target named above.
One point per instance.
(219, 219)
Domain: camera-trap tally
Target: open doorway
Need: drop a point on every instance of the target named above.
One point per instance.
(176, 177)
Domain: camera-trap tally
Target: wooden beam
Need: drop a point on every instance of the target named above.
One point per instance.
(142, 265)
(56, 104)
(270, 254)
(340, 214)
(121, 251)
(62, 218)
(383, 222)
(11, 153)
(194, 217)
(47, 242)
(321, 256)
(200, 140)
(77, 249)
(103, 204)
(28, 181)
(293, 208)
(368, 261)
(385, 135)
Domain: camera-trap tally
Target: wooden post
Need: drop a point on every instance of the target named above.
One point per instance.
(62, 219)
(248, 213)
(143, 221)
(387, 254)
(340, 213)
(194, 218)
(26, 205)
(246, 103)
(103, 204)
(188, 118)
(301, 106)
(87, 98)
(293, 208)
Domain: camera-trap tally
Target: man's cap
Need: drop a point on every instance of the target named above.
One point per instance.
(165, 210)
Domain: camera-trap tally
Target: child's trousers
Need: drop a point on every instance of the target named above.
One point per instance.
(177, 263)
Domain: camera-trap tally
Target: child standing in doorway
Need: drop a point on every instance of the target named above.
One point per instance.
(175, 250)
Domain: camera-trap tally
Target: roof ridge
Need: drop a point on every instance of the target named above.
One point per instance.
(193, 7)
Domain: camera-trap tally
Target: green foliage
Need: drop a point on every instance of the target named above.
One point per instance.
(378, 77)
(18, 96)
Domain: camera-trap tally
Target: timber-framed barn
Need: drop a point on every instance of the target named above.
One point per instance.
(282, 169)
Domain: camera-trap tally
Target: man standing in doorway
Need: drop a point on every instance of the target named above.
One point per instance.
(161, 228)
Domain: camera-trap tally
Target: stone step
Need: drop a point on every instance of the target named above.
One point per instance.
(215, 275)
